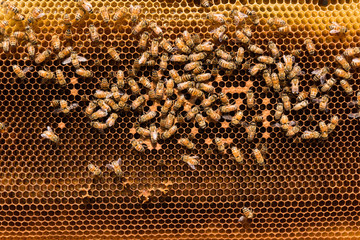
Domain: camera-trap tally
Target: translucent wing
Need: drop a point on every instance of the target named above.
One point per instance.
(354, 115)
(67, 61)
(334, 31)
(81, 59)
(227, 117)
(49, 129)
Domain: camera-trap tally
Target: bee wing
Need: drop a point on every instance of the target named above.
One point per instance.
(27, 69)
(49, 129)
(119, 161)
(336, 24)
(191, 166)
(81, 59)
(109, 166)
(227, 117)
(43, 135)
(276, 125)
(316, 71)
(334, 31)
(196, 157)
(292, 123)
(354, 115)
(73, 106)
(67, 61)
(40, 15)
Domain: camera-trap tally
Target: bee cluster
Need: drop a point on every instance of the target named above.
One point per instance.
(181, 88)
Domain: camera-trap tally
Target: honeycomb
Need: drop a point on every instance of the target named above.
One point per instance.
(306, 189)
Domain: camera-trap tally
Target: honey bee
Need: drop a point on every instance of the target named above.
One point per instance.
(9, 7)
(258, 157)
(324, 129)
(228, 108)
(79, 14)
(147, 116)
(191, 114)
(350, 52)
(160, 89)
(3, 127)
(248, 213)
(180, 44)
(106, 108)
(284, 29)
(286, 101)
(205, 87)
(170, 84)
(65, 52)
(190, 160)
(21, 73)
(346, 86)
(95, 37)
(205, 3)
(164, 62)
(274, 49)
(154, 48)
(200, 120)
(196, 93)
(188, 39)
(295, 86)
(219, 33)
(143, 58)
(153, 134)
(336, 28)
(84, 73)
(138, 145)
(296, 52)
(143, 132)
(6, 45)
(114, 106)
(247, 31)
(144, 38)
(226, 64)
(98, 114)
(100, 94)
(170, 132)
(237, 155)
(310, 47)
(120, 79)
(296, 71)
(55, 42)
(119, 14)
(169, 120)
(95, 171)
(137, 102)
(334, 121)
(90, 108)
(135, 89)
(216, 18)
(47, 75)
(208, 101)
(277, 22)
(122, 103)
(267, 78)
(191, 66)
(313, 91)
(3, 25)
(20, 35)
(114, 54)
(40, 58)
(116, 166)
(115, 92)
(35, 15)
(355, 63)
(254, 18)
(323, 103)
(186, 143)
(145, 82)
(250, 99)
(220, 145)
(328, 85)
(13, 41)
(179, 102)
(300, 105)
(135, 12)
(166, 107)
(251, 131)
(198, 70)
(179, 58)
(310, 135)
(275, 82)
(266, 59)
(110, 122)
(64, 106)
(85, 5)
(279, 111)
(105, 14)
(237, 118)
(166, 45)
(204, 47)
(288, 60)
(343, 63)
(174, 75)
(224, 98)
(239, 58)
(202, 77)
(213, 115)
(281, 70)
(50, 134)
(104, 84)
(68, 34)
(224, 55)
(255, 49)
(291, 130)
(75, 59)
(255, 69)
(239, 17)
(342, 73)
(156, 29)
